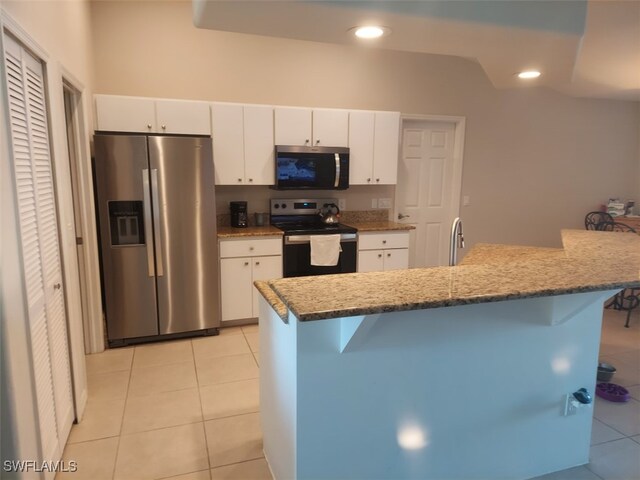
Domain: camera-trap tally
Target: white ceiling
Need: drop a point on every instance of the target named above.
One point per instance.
(587, 49)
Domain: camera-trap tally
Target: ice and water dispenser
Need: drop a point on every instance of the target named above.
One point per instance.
(126, 222)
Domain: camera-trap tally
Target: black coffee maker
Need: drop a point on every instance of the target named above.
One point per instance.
(238, 214)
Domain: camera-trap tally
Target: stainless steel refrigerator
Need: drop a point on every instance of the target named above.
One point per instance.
(157, 219)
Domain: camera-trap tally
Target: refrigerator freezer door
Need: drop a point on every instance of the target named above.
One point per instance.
(187, 247)
(126, 236)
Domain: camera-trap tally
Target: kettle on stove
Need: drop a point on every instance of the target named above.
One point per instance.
(330, 213)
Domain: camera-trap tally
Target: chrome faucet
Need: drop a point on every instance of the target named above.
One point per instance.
(456, 241)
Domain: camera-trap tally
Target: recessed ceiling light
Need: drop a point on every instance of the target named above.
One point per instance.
(370, 31)
(529, 74)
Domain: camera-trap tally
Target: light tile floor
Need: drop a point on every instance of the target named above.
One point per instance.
(188, 410)
(615, 435)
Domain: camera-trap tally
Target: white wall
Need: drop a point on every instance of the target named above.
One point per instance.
(535, 160)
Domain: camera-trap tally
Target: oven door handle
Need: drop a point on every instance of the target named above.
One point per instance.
(301, 239)
(337, 180)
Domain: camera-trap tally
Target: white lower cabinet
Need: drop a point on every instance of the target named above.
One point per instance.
(378, 252)
(242, 262)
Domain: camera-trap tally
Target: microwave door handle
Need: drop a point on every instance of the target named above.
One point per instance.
(336, 184)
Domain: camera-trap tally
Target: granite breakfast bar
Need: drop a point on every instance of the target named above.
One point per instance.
(447, 372)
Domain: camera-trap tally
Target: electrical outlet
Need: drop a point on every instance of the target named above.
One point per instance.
(342, 204)
(466, 200)
(570, 406)
(374, 203)
(384, 203)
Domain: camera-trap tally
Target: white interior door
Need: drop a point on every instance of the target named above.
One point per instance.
(40, 248)
(428, 189)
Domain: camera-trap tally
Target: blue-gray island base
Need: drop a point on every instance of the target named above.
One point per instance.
(473, 390)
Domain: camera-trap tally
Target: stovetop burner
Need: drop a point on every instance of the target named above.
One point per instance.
(300, 217)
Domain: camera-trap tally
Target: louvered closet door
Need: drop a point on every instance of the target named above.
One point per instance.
(40, 246)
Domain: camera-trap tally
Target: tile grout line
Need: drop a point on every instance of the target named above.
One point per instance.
(115, 462)
(253, 354)
(204, 429)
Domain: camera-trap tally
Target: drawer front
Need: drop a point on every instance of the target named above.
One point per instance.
(373, 241)
(250, 247)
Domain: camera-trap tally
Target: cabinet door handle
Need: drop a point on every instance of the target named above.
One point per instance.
(246, 264)
(251, 249)
(317, 142)
(384, 242)
(388, 254)
(402, 215)
(306, 141)
(149, 126)
(368, 180)
(240, 180)
(164, 127)
(379, 255)
(57, 286)
(257, 263)
(377, 179)
(251, 179)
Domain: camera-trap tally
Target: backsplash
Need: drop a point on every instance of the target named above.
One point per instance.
(357, 197)
(224, 219)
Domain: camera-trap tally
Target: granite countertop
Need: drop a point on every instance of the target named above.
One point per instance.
(267, 230)
(589, 261)
(485, 253)
(379, 226)
(273, 299)
(231, 232)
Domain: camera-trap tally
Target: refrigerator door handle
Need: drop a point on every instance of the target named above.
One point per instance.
(156, 221)
(148, 228)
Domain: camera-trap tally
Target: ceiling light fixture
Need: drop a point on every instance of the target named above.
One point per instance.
(370, 31)
(528, 74)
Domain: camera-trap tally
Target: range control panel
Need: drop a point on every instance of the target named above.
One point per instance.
(299, 206)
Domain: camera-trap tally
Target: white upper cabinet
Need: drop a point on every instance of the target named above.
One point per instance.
(361, 125)
(125, 114)
(150, 115)
(259, 149)
(330, 128)
(243, 146)
(322, 127)
(373, 143)
(386, 137)
(228, 143)
(183, 117)
(292, 126)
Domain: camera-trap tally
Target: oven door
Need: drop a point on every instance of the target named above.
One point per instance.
(296, 256)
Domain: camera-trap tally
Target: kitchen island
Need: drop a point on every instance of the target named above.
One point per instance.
(447, 372)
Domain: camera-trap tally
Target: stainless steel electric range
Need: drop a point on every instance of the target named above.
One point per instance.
(299, 219)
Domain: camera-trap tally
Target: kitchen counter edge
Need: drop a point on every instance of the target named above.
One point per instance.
(589, 261)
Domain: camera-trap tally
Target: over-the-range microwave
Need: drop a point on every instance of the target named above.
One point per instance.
(311, 168)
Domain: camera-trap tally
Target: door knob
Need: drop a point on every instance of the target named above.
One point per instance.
(402, 215)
